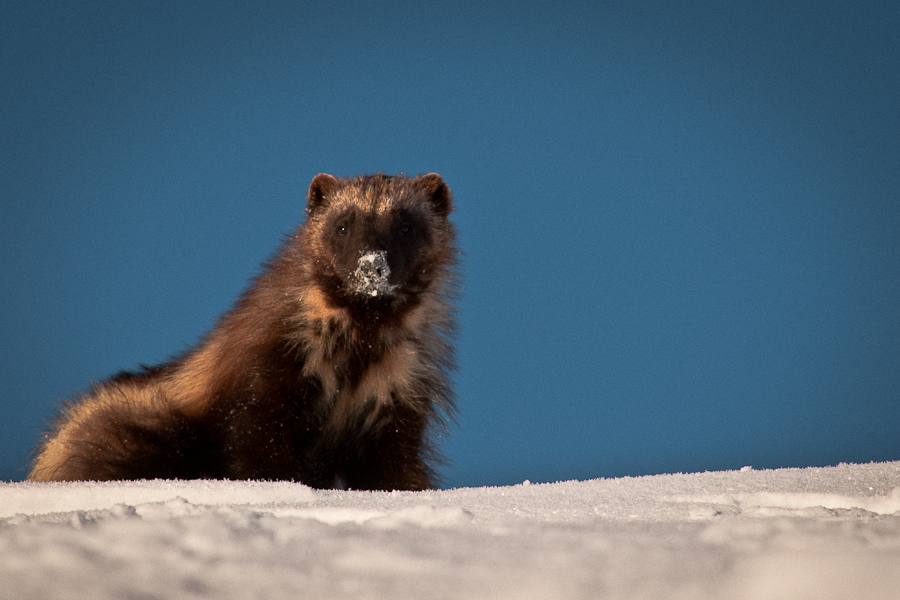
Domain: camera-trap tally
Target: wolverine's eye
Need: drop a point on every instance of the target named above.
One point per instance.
(405, 228)
(342, 229)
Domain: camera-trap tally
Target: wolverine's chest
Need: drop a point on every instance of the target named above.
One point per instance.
(359, 380)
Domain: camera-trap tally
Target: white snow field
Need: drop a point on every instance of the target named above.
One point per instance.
(790, 533)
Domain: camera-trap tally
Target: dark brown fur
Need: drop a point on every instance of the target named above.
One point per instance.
(331, 369)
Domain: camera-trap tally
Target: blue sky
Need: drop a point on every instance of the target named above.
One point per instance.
(681, 224)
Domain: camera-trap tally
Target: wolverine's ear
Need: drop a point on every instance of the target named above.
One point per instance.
(434, 185)
(322, 186)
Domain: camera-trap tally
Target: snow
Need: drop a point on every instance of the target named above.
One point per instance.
(819, 533)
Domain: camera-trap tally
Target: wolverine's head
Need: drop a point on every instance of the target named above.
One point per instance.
(378, 240)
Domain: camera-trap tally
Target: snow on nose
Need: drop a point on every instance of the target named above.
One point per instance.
(372, 274)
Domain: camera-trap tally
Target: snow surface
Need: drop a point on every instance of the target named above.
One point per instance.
(790, 533)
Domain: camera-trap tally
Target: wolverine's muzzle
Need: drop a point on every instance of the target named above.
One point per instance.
(372, 274)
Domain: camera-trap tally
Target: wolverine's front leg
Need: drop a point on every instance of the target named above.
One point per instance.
(390, 457)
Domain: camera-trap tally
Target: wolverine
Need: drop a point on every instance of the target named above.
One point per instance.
(332, 369)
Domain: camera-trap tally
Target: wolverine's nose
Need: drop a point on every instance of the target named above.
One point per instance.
(374, 265)
(372, 274)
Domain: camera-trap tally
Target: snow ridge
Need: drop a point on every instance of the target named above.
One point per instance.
(829, 532)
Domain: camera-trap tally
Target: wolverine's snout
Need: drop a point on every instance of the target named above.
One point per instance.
(372, 274)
